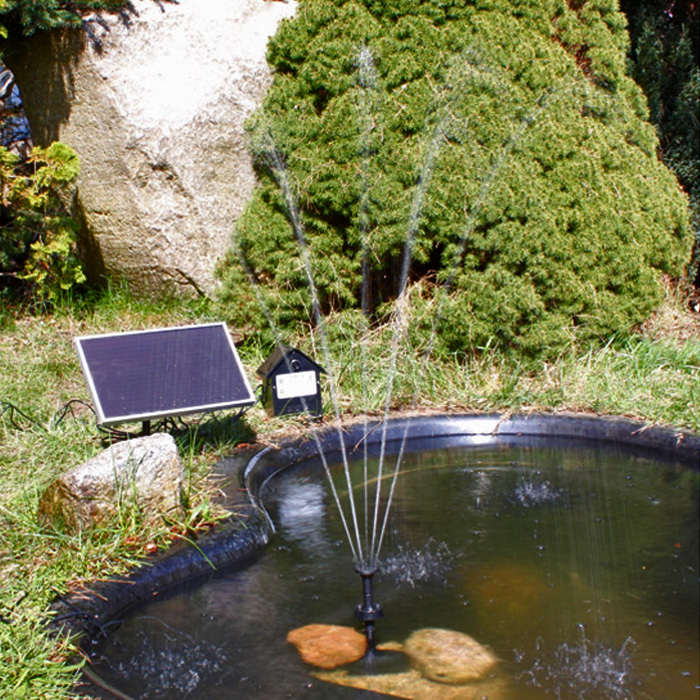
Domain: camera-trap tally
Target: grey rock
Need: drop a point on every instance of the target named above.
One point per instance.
(155, 108)
(144, 474)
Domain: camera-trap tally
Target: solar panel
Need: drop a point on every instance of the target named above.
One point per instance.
(143, 375)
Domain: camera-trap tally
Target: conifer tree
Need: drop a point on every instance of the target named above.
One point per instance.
(665, 57)
(32, 15)
(502, 139)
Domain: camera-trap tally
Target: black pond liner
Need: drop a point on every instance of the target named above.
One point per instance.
(86, 615)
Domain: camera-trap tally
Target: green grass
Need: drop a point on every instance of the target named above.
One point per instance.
(43, 434)
(652, 376)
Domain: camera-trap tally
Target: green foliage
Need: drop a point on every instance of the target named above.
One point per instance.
(34, 15)
(501, 141)
(666, 63)
(33, 664)
(37, 233)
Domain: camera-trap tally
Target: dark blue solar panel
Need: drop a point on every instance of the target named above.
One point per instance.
(156, 373)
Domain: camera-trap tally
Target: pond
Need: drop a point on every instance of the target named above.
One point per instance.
(575, 563)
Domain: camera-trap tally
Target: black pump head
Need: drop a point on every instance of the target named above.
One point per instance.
(368, 611)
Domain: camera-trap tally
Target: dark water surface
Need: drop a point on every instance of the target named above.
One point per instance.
(577, 566)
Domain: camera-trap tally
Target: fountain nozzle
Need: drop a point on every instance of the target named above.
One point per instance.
(368, 611)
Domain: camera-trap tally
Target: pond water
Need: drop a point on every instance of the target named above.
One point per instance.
(577, 566)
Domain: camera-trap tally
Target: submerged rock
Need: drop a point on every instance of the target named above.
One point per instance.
(328, 646)
(145, 474)
(412, 686)
(446, 656)
(447, 665)
(507, 591)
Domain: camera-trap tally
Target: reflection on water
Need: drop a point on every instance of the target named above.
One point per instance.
(578, 567)
(301, 513)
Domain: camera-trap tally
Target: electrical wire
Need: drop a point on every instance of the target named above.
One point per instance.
(68, 408)
(10, 409)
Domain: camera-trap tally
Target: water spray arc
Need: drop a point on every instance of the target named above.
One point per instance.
(366, 542)
(366, 562)
(275, 163)
(365, 550)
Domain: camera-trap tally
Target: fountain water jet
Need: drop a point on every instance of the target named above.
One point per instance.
(366, 548)
(365, 558)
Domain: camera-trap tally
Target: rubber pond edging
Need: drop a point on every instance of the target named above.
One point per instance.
(85, 614)
(679, 445)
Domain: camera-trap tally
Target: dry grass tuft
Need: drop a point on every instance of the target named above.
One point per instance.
(678, 320)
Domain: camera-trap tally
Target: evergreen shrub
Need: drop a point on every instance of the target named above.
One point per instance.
(499, 145)
(666, 64)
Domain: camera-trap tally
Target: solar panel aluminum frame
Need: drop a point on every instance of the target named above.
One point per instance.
(118, 346)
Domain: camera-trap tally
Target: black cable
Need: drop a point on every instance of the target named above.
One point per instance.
(68, 408)
(113, 434)
(8, 407)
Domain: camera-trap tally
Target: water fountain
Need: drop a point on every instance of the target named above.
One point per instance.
(565, 544)
(224, 636)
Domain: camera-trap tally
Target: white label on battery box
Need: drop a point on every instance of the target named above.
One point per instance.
(295, 384)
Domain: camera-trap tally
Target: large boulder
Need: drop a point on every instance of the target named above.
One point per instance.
(154, 103)
(144, 474)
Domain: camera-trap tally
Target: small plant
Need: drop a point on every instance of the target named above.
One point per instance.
(37, 232)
